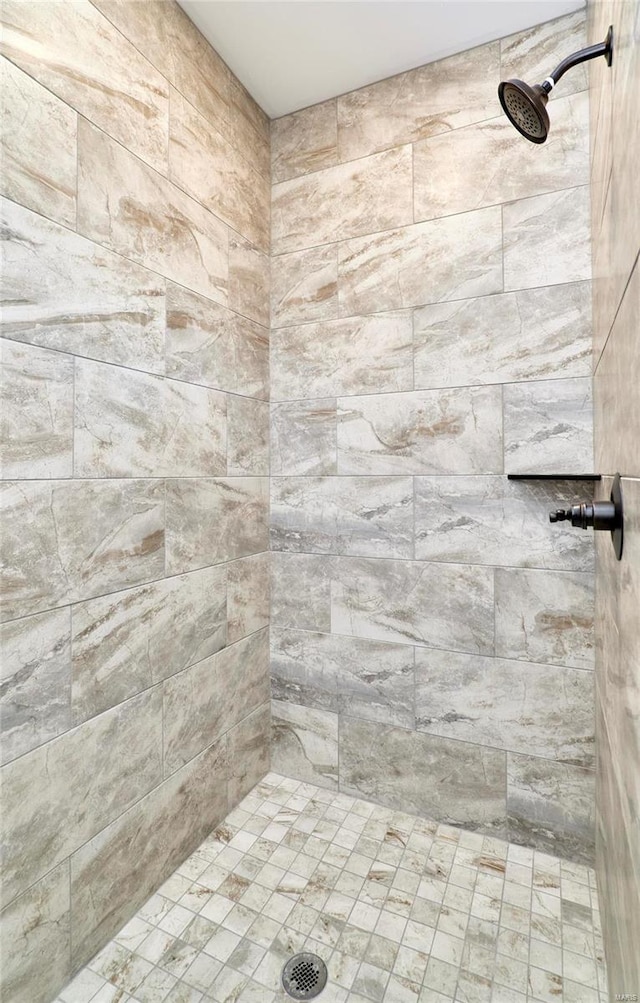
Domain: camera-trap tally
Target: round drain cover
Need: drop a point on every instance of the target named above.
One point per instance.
(304, 976)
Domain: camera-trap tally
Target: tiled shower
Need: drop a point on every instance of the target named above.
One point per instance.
(282, 608)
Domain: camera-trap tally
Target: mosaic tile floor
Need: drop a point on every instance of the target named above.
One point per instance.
(402, 910)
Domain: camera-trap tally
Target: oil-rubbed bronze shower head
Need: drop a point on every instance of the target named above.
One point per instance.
(525, 107)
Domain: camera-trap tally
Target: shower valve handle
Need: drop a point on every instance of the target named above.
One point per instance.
(599, 515)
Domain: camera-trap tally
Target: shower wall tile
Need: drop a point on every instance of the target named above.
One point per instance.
(248, 595)
(36, 408)
(247, 436)
(301, 591)
(502, 169)
(304, 286)
(548, 427)
(551, 805)
(125, 642)
(361, 516)
(425, 432)
(35, 932)
(362, 678)
(39, 161)
(249, 752)
(305, 743)
(436, 605)
(374, 193)
(207, 167)
(203, 702)
(305, 141)
(432, 99)
(518, 706)
(213, 520)
(35, 674)
(441, 259)
(117, 870)
(547, 239)
(545, 616)
(533, 53)
(532, 334)
(69, 540)
(449, 781)
(131, 424)
(490, 520)
(160, 226)
(208, 344)
(304, 437)
(249, 280)
(64, 292)
(355, 355)
(73, 51)
(77, 788)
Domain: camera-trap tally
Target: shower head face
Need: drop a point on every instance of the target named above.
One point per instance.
(525, 107)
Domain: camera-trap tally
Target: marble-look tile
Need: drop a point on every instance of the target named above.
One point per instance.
(359, 516)
(305, 743)
(247, 436)
(35, 932)
(207, 343)
(304, 286)
(132, 210)
(249, 752)
(305, 141)
(451, 258)
(126, 642)
(207, 166)
(548, 427)
(532, 54)
(354, 355)
(249, 280)
(541, 710)
(248, 595)
(36, 412)
(78, 55)
(248, 127)
(424, 432)
(452, 782)
(363, 196)
(35, 674)
(38, 146)
(301, 591)
(77, 788)
(70, 540)
(545, 616)
(303, 437)
(551, 805)
(203, 702)
(502, 169)
(116, 871)
(130, 424)
(212, 520)
(64, 292)
(436, 605)
(491, 520)
(525, 335)
(547, 239)
(366, 679)
(432, 99)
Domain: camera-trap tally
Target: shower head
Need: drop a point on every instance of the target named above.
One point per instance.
(526, 106)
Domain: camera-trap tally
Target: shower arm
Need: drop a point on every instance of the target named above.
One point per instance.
(591, 52)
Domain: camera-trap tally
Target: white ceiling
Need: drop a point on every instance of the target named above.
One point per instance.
(293, 54)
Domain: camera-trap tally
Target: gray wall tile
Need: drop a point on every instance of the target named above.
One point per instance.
(248, 595)
(301, 591)
(249, 752)
(305, 743)
(547, 239)
(247, 436)
(304, 437)
(548, 427)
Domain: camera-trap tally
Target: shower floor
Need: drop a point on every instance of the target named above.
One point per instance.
(402, 910)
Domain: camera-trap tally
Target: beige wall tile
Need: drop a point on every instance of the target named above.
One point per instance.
(532, 54)
(304, 286)
(451, 258)
(547, 239)
(374, 193)
(39, 159)
(249, 270)
(303, 437)
(247, 437)
(548, 427)
(248, 595)
(75, 52)
(133, 210)
(304, 142)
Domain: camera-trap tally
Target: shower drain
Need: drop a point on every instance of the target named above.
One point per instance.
(304, 976)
